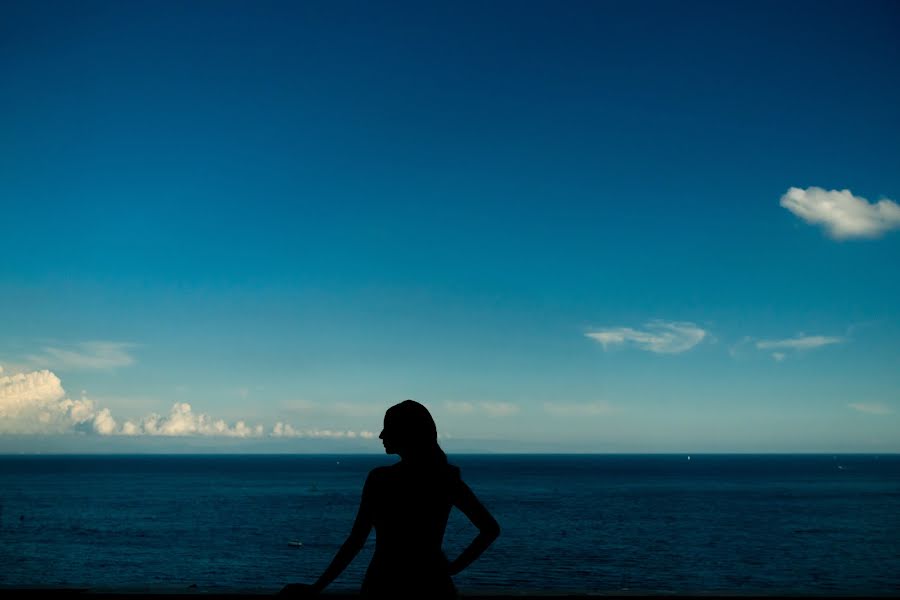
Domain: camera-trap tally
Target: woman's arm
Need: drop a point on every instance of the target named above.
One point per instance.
(488, 528)
(354, 543)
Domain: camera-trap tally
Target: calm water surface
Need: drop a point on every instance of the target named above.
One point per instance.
(807, 524)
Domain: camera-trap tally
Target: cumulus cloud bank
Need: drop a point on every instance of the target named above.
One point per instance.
(182, 421)
(661, 337)
(36, 403)
(842, 214)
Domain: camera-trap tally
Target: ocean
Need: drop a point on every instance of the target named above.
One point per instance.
(657, 524)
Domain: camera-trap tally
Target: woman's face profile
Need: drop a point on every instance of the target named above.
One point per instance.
(406, 427)
(388, 438)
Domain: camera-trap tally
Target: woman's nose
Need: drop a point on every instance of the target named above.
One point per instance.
(381, 435)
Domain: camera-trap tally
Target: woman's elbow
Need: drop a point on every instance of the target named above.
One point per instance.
(491, 530)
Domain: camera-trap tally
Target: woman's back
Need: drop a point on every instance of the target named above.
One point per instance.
(410, 507)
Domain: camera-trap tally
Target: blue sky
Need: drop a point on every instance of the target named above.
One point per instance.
(604, 226)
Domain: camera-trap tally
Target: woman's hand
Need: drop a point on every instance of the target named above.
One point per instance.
(453, 568)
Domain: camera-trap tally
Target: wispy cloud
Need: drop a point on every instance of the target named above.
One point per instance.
(843, 215)
(285, 430)
(85, 355)
(490, 409)
(578, 409)
(803, 342)
(871, 408)
(661, 337)
(800, 343)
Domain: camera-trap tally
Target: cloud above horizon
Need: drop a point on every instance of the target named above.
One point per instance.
(796, 344)
(661, 337)
(285, 430)
(843, 215)
(84, 355)
(35, 402)
(183, 421)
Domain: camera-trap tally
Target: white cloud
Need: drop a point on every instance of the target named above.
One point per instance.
(802, 342)
(21, 390)
(183, 421)
(35, 402)
(796, 344)
(325, 433)
(86, 355)
(871, 408)
(841, 213)
(104, 424)
(579, 409)
(129, 428)
(285, 430)
(662, 337)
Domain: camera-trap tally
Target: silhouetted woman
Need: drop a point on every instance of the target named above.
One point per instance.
(409, 503)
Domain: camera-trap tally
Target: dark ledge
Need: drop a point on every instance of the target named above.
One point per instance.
(195, 594)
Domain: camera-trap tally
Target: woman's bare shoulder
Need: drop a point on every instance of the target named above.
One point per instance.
(381, 473)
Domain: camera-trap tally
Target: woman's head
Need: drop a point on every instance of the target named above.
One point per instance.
(410, 432)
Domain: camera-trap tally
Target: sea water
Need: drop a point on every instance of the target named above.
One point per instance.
(736, 524)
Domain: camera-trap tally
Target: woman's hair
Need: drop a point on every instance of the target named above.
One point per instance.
(412, 424)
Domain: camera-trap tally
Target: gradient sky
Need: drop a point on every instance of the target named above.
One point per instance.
(598, 226)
